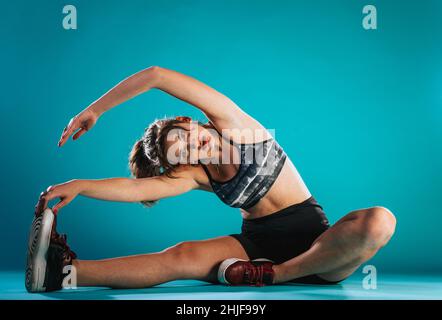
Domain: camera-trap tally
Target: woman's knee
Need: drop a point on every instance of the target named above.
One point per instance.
(376, 226)
(189, 260)
(182, 253)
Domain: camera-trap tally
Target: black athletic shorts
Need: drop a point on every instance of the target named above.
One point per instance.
(285, 234)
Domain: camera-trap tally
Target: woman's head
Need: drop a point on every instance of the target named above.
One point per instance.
(168, 143)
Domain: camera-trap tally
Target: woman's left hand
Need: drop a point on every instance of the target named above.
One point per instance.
(66, 192)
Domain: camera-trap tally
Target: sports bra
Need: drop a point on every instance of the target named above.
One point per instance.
(259, 167)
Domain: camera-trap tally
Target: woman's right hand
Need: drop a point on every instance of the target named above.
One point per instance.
(82, 122)
(66, 192)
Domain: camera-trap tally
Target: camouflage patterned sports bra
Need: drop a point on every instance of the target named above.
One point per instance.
(260, 165)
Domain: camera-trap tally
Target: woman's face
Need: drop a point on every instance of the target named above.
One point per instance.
(190, 143)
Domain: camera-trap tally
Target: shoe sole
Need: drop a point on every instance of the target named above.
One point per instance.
(39, 240)
(227, 263)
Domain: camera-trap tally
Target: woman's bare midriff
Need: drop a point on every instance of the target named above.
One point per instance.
(288, 189)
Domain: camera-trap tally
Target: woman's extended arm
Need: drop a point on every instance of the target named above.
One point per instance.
(117, 189)
(136, 190)
(212, 103)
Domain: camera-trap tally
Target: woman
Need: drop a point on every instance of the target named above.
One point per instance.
(285, 234)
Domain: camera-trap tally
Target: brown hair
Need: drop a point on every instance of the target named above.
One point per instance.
(148, 155)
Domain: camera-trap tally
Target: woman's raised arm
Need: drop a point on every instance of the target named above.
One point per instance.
(212, 103)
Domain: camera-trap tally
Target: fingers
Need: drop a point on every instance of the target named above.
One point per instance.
(79, 133)
(44, 199)
(68, 131)
(59, 205)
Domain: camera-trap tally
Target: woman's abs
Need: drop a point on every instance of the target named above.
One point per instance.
(288, 189)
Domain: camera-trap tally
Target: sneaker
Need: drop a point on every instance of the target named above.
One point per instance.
(239, 272)
(48, 254)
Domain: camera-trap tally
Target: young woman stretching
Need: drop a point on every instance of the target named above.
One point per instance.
(285, 234)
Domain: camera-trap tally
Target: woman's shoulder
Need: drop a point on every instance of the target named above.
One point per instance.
(194, 172)
(243, 129)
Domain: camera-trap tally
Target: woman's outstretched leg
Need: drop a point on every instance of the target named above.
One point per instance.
(197, 260)
(339, 251)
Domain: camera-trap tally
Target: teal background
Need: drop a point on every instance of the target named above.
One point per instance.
(359, 112)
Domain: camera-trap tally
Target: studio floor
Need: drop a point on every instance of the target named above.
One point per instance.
(401, 287)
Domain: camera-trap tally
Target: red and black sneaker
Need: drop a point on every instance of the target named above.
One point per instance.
(237, 272)
(48, 254)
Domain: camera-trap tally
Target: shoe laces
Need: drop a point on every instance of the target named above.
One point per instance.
(61, 240)
(254, 274)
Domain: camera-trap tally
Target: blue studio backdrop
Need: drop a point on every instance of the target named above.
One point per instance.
(358, 111)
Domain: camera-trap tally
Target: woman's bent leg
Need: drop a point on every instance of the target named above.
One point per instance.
(340, 250)
(197, 260)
